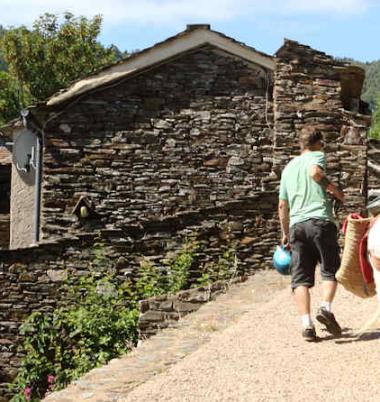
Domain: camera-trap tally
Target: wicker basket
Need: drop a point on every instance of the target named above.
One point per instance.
(349, 273)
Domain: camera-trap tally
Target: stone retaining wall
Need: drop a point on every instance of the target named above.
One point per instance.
(31, 278)
(163, 311)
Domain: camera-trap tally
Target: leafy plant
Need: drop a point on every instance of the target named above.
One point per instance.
(375, 128)
(99, 319)
(222, 269)
(10, 95)
(178, 271)
(150, 281)
(100, 324)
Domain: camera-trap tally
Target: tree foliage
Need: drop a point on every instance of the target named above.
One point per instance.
(375, 129)
(10, 97)
(3, 64)
(51, 55)
(371, 86)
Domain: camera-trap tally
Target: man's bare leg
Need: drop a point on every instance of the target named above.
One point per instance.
(302, 296)
(328, 291)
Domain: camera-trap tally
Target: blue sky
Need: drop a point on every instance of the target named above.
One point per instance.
(342, 28)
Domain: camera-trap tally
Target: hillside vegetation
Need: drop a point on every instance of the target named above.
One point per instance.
(371, 87)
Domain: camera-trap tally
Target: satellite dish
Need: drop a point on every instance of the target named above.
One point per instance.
(24, 151)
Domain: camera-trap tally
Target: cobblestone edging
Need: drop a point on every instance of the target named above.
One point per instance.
(162, 311)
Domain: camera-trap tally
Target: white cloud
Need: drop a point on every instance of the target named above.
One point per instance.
(15, 12)
(174, 12)
(328, 6)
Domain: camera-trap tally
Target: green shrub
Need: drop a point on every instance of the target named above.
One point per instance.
(99, 319)
(150, 281)
(179, 267)
(101, 324)
(222, 269)
(375, 127)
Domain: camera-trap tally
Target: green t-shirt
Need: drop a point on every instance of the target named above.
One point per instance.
(306, 198)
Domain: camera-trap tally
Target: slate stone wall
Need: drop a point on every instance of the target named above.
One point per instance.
(188, 135)
(189, 149)
(164, 311)
(31, 278)
(307, 92)
(175, 153)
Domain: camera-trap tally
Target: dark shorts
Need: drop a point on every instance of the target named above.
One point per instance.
(313, 241)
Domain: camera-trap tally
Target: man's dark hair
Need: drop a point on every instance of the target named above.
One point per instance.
(309, 137)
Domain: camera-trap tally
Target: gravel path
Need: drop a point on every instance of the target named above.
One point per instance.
(263, 358)
(247, 346)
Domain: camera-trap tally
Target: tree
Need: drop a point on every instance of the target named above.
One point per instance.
(371, 85)
(9, 97)
(53, 54)
(3, 64)
(375, 128)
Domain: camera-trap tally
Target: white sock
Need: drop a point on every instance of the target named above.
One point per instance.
(326, 305)
(306, 320)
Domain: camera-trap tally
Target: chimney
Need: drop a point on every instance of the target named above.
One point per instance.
(193, 27)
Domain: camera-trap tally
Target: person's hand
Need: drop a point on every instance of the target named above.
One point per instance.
(336, 192)
(339, 195)
(285, 241)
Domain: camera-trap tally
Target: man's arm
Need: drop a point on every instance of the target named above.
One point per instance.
(283, 213)
(318, 175)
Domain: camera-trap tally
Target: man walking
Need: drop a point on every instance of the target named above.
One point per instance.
(308, 226)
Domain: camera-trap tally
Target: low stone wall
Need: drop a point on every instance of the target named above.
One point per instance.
(31, 278)
(163, 311)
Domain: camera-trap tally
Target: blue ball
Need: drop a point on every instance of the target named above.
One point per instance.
(282, 260)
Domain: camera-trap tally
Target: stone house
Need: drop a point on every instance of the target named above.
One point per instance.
(190, 123)
(184, 139)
